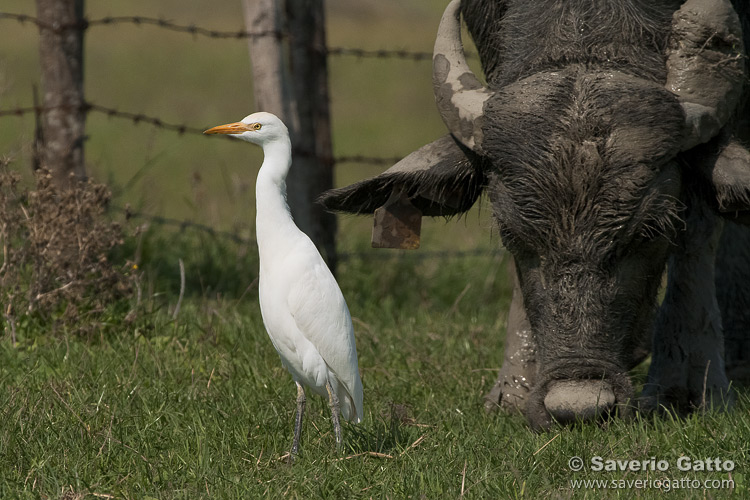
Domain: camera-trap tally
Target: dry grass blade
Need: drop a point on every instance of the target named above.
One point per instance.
(414, 444)
(71, 410)
(463, 478)
(454, 307)
(545, 444)
(182, 290)
(210, 377)
(373, 454)
(705, 385)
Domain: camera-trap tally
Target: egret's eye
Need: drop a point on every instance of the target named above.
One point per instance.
(256, 126)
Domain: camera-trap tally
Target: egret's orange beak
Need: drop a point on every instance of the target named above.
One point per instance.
(229, 128)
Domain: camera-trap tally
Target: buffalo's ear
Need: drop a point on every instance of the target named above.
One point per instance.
(731, 180)
(726, 165)
(442, 178)
(706, 66)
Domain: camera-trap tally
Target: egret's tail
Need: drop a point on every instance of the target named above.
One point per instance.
(352, 405)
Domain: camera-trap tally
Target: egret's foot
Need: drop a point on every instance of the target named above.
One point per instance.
(333, 403)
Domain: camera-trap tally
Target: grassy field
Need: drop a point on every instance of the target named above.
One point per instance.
(199, 406)
(155, 406)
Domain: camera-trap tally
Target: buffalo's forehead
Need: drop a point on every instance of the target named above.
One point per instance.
(583, 154)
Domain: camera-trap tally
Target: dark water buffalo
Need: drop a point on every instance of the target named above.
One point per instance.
(609, 139)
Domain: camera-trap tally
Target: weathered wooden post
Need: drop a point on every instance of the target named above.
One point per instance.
(63, 116)
(271, 90)
(290, 79)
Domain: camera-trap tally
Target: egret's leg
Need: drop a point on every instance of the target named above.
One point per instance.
(333, 403)
(298, 420)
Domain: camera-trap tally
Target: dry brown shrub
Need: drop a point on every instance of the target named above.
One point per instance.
(55, 247)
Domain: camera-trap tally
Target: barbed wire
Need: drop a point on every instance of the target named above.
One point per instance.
(182, 225)
(380, 54)
(196, 30)
(192, 29)
(137, 118)
(411, 55)
(380, 254)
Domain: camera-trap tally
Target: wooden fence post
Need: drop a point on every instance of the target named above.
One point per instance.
(63, 117)
(291, 81)
(309, 65)
(271, 91)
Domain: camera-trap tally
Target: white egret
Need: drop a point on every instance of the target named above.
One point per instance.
(302, 306)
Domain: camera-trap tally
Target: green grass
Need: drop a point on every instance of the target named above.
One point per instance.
(200, 407)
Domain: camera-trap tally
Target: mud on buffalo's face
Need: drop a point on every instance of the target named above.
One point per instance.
(585, 192)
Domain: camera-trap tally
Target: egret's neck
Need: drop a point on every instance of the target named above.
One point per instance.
(277, 158)
(273, 222)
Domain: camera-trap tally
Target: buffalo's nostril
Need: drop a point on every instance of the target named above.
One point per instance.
(569, 400)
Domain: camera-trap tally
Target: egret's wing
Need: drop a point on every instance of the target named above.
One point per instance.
(322, 316)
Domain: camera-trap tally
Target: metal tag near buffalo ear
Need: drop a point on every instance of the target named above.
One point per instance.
(397, 223)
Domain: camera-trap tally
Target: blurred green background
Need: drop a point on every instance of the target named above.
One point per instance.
(380, 107)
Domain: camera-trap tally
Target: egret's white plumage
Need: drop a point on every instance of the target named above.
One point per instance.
(302, 306)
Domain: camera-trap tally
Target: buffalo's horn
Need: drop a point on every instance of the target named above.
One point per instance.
(459, 94)
(705, 66)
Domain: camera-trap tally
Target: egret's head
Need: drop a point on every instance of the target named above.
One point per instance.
(259, 128)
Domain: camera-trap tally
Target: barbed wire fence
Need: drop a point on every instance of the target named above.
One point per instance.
(180, 128)
(195, 30)
(183, 225)
(138, 118)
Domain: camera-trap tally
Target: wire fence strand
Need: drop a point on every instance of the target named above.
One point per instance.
(137, 118)
(195, 30)
(191, 29)
(379, 254)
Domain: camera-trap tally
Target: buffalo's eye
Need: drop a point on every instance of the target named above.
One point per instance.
(507, 236)
(514, 243)
(648, 233)
(664, 226)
